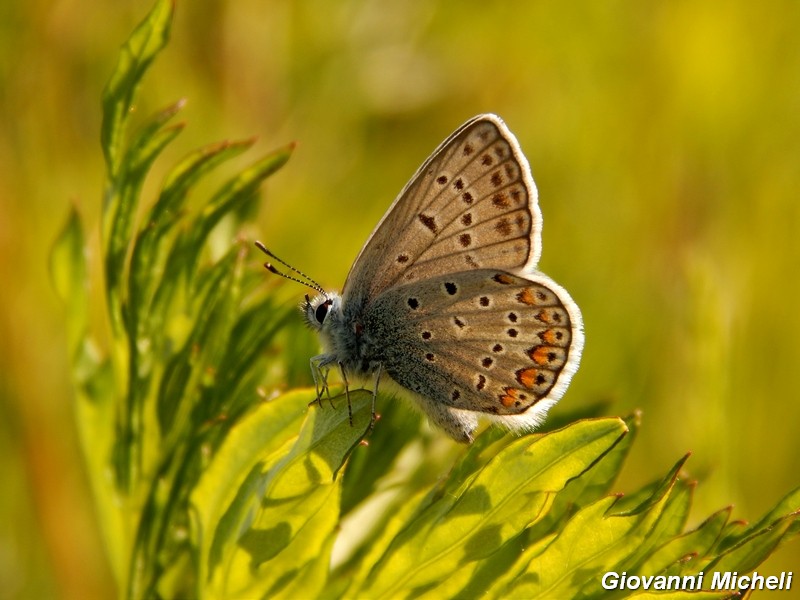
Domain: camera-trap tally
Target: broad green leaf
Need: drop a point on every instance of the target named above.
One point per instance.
(558, 565)
(310, 580)
(479, 454)
(594, 540)
(406, 500)
(512, 491)
(250, 446)
(579, 492)
(647, 532)
(475, 579)
(286, 517)
(590, 486)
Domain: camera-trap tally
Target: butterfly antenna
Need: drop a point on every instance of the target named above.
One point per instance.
(269, 266)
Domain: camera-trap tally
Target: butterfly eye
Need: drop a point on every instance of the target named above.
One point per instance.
(322, 311)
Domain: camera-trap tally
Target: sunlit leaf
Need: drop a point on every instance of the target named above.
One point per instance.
(755, 548)
(280, 520)
(511, 492)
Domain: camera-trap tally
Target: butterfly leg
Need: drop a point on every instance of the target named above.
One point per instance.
(346, 392)
(373, 417)
(320, 374)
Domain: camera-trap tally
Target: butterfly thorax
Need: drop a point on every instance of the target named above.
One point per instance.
(343, 335)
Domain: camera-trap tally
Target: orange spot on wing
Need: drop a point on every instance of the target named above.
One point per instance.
(527, 377)
(539, 354)
(510, 397)
(543, 316)
(527, 296)
(548, 336)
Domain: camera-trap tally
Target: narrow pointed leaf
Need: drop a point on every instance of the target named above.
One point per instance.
(753, 550)
(136, 56)
(697, 542)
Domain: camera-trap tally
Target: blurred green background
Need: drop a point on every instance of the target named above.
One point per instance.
(664, 139)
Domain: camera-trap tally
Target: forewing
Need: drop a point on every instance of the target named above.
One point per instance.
(471, 205)
(485, 340)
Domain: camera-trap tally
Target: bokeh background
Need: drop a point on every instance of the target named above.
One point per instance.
(664, 139)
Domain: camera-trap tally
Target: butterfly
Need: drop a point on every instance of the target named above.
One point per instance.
(445, 299)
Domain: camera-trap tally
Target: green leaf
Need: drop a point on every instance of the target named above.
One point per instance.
(186, 374)
(270, 499)
(232, 194)
(788, 504)
(69, 279)
(222, 495)
(590, 486)
(147, 262)
(754, 549)
(550, 567)
(511, 492)
(141, 48)
(95, 418)
(596, 538)
(254, 331)
(670, 523)
(123, 197)
(391, 436)
(678, 555)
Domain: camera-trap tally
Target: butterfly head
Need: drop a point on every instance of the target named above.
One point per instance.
(317, 311)
(320, 309)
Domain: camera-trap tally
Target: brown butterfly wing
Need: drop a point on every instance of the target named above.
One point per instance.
(472, 205)
(484, 340)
